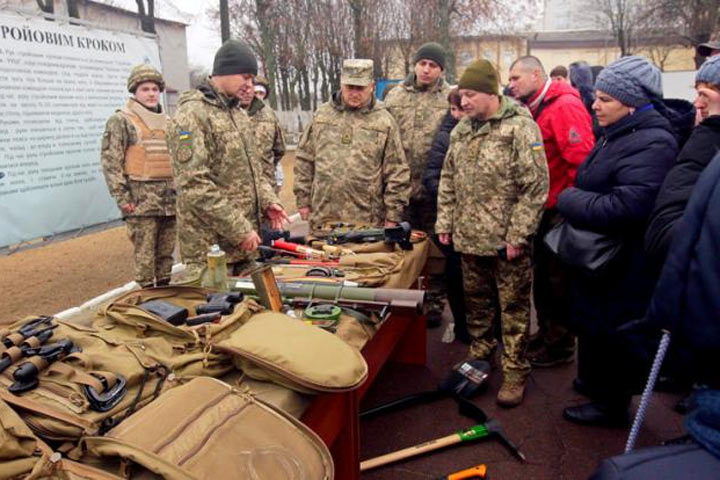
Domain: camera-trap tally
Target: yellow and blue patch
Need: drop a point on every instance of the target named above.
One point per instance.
(537, 147)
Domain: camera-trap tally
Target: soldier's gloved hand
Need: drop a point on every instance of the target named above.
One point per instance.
(250, 242)
(128, 208)
(304, 212)
(277, 215)
(445, 238)
(513, 251)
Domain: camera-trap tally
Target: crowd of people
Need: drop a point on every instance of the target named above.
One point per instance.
(584, 189)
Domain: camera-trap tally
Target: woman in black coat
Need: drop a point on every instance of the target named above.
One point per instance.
(614, 192)
(431, 180)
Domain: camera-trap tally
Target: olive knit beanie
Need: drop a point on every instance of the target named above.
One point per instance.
(481, 77)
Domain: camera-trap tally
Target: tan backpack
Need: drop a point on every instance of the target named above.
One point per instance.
(207, 429)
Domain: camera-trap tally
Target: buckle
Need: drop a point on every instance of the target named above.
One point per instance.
(102, 402)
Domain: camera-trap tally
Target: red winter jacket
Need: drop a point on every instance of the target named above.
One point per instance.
(566, 129)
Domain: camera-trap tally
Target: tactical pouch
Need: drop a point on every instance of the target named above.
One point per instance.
(275, 347)
(22, 455)
(85, 392)
(187, 351)
(206, 429)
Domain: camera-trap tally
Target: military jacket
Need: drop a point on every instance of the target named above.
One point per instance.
(350, 166)
(418, 113)
(269, 140)
(494, 181)
(151, 198)
(221, 191)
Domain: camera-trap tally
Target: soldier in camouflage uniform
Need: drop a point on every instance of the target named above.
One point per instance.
(419, 105)
(221, 191)
(136, 164)
(269, 141)
(350, 165)
(493, 187)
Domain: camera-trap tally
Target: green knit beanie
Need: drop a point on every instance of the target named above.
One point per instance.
(431, 51)
(235, 57)
(481, 77)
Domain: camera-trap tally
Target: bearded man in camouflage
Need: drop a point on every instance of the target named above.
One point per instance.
(136, 164)
(419, 105)
(222, 193)
(493, 187)
(350, 165)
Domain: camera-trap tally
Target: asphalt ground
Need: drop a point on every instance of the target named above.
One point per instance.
(555, 449)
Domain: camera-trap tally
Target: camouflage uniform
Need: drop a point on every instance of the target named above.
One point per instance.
(151, 226)
(350, 166)
(269, 141)
(419, 112)
(221, 190)
(493, 187)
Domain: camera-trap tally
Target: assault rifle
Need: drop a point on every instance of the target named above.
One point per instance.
(391, 235)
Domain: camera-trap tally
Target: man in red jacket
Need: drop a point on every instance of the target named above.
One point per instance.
(566, 129)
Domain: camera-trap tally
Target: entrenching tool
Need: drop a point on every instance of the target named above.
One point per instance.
(465, 381)
(493, 427)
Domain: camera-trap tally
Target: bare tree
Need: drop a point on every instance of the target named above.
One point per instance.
(147, 15)
(695, 20)
(197, 76)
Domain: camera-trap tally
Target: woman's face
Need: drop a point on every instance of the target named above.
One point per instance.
(456, 112)
(609, 110)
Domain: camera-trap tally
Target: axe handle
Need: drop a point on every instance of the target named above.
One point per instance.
(421, 448)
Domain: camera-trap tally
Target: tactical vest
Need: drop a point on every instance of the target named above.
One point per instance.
(149, 158)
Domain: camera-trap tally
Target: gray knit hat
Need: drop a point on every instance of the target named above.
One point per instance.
(709, 71)
(633, 80)
(431, 51)
(234, 57)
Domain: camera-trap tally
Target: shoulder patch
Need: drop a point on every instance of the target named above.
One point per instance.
(537, 147)
(574, 137)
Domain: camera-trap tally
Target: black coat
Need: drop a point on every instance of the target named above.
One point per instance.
(675, 192)
(615, 189)
(436, 156)
(687, 298)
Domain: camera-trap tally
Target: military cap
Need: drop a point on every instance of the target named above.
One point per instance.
(144, 73)
(706, 49)
(357, 71)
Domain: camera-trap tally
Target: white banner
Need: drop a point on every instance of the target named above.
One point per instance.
(59, 83)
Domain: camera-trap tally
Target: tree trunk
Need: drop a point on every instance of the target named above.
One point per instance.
(445, 40)
(267, 40)
(224, 21)
(358, 11)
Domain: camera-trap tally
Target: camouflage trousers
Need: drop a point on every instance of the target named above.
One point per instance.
(497, 288)
(153, 240)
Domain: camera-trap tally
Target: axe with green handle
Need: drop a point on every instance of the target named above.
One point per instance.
(492, 427)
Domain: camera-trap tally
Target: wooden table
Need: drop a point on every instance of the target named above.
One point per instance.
(335, 417)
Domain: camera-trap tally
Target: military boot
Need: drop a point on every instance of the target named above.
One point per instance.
(511, 393)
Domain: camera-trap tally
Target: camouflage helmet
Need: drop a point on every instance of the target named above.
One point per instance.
(144, 73)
